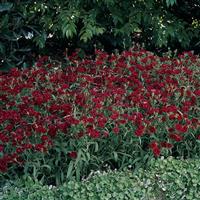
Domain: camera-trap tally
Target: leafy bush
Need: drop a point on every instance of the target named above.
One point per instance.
(111, 24)
(163, 180)
(15, 29)
(26, 189)
(57, 122)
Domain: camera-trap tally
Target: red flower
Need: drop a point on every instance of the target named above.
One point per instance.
(1, 148)
(122, 121)
(80, 134)
(52, 130)
(72, 154)
(189, 93)
(89, 120)
(44, 138)
(171, 130)
(4, 138)
(194, 120)
(198, 137)
(197, 92)
(40, 129)
(27, 146)
(93, 133)
(172, 116)
(116, 129)
(3, 165)
(171, 108)
(115, 115)
(176, 137)
(152, 129)
(15, 72)
(80, 99)
(145, 105)
(19, 150)
(166, 145)
(153, 145)
(102, 121)
(105, 134)
(163, 119)
(64, 86)
(40, 147)
(66, 108)
(63, 126)
(181, 128)
(9, 127)
(156, 152)
(155, 148)
(140, 131)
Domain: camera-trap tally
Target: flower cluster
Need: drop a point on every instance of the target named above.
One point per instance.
(134, 93)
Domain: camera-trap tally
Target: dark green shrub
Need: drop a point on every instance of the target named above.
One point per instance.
(109, 24)
(16, 26)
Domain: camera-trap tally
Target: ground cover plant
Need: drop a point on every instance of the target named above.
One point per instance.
(61, 122)
(164, 179)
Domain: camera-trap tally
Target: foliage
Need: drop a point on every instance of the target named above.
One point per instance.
(15, 30)
(106, 23)
(57, 122)
(163, 180)
(175, 179)
(28, 189)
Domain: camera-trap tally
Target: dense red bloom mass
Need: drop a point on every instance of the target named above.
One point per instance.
(134, 94)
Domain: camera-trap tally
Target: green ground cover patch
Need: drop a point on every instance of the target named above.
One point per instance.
(162, 179)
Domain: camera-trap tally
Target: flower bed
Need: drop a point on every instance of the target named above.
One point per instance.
(119, 109)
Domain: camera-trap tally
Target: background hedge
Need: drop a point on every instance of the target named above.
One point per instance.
(54, 25)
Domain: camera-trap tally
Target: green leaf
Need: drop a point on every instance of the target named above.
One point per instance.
(115, 156)
(96, 147)
(78, 159)
(99, 30)
(7, 65)
(170, 2)
(40, 40)
(69, 30)
(78, 174)
(4, 23)
(86, 35)
(170, 31)
(2, 48)
(5, 6)
(46, 166)
(22, 50)
(70, 169)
